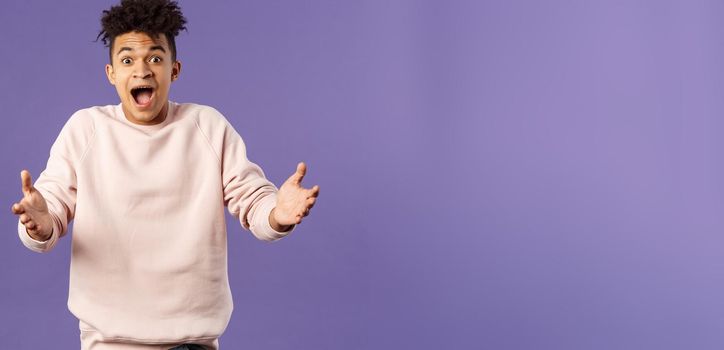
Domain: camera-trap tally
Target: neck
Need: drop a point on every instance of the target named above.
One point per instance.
(158, 119)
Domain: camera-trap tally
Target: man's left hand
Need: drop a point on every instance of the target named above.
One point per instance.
(293, 201)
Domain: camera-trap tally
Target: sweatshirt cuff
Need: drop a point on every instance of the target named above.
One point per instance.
(35, 245)
(261, 226)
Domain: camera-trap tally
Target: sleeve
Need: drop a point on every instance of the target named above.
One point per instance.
(57, 183)
(248, 195)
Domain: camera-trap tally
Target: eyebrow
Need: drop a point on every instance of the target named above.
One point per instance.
(157, 47)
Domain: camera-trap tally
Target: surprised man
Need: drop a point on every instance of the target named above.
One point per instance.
(146, 182)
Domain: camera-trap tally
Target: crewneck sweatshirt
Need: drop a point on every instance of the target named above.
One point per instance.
(149, 255)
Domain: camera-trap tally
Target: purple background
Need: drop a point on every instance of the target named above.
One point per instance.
(494, 175)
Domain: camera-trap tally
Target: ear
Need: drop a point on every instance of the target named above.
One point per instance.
(175, 70)
(111, 74)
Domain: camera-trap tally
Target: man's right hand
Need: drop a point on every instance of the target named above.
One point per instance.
(33, 210)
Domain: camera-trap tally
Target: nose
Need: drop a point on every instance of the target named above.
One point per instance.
(142, 71)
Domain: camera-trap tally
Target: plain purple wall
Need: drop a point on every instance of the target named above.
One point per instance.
(494, 175)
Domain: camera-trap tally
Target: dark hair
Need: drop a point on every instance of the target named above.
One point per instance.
(153, 17)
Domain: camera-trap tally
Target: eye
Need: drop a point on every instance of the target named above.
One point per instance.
(126, 60)
(155, 59)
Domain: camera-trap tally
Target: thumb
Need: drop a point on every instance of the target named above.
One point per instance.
(299, 175)
(27, 182)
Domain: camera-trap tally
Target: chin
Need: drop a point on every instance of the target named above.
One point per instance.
(145, 114)
(150, 117)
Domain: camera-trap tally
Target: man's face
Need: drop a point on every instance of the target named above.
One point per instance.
(142, 72)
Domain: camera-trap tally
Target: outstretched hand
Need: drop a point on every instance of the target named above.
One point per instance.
(293, 201)
(33, 210)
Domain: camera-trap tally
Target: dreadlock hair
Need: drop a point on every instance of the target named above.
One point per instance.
(153, 17)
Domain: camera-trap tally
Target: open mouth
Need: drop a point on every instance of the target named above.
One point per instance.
(142, 95)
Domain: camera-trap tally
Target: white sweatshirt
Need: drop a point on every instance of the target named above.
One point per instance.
(148, 263)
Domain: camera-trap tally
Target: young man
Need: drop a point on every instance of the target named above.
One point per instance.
(146, 182)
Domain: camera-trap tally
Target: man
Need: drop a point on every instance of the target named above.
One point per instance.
(146, 182)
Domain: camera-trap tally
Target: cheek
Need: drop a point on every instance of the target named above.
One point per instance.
(121, 87)
(121, 80)
(164, 81)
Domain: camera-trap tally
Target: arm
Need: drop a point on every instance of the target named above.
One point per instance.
(248, 195)
(48, 206)
(269, 213)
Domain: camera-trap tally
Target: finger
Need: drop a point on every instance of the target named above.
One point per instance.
(314, 192)
(310, 202)
(17, 209)
(24, 218)
(31, 225)
(27, 181)
(301, 171)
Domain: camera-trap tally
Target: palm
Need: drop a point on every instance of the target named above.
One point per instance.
(293, 201)
(34, 204)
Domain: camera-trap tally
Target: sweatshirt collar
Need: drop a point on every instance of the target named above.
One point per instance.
(170, 114)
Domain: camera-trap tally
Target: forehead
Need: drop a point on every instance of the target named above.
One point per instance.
(138, 41)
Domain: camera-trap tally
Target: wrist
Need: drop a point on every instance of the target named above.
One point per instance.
(40, 237)
(275, 225)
